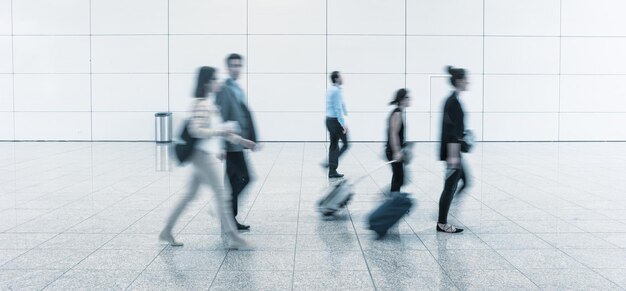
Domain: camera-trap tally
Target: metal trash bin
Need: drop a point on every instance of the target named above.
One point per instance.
(163, 127)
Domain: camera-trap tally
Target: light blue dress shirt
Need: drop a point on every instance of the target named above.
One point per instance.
(335, 108)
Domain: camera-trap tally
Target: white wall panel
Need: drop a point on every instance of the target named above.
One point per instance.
(522, 17)
(593, 55)
(366, 54)
(521, 93)
(6, 92)
(418, 126)
(45, 92)
(522, 55)
(5, 17)
(129, 92)
(370, 92)
(123, 126)
(593, 18)
(521, 127)
(452, 17)
(271, 17)
(6, 130)
(285, 92)
(366, 17)
(471, 100)
(588, 93)
(419, 88)
(189, 52)
(290, 126)
(53, 125)
(51, 17)
(6, 55)
(207, 16)
(431, 54)
(593, 126)
(370, 126)
(286, 54)
(129, 54)
(51, 54)
(129, 17)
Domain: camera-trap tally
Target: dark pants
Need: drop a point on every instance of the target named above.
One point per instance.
(397, 179)
(453, 176)
(335, 131)
(237, 172)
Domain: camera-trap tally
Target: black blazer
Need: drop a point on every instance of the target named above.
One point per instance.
(452, 125)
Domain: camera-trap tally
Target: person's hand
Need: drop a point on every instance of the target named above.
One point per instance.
(453, 162)
(345, 129)
(398, 156)
(246, 143)
(221, 155)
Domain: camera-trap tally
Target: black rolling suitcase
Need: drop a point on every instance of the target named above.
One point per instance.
(389, 213)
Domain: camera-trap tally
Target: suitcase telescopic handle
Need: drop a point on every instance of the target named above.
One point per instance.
(372, 171)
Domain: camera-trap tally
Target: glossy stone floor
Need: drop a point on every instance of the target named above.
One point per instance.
(85, 216)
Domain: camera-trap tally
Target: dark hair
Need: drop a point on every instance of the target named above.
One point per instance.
(455, 74)
(232, 57)
(400, 95)
(205, 76)
(334, 76)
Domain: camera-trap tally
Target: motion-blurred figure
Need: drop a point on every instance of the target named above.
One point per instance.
(396, 138)
(452, 144)
(207, 128)
(336, 124)
(232, 103)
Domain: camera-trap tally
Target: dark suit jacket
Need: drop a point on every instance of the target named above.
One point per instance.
(234, 110)
(452, 125)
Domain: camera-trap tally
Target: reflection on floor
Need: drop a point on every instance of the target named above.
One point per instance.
(538, 216)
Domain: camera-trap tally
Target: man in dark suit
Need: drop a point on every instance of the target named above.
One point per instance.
(232, 102)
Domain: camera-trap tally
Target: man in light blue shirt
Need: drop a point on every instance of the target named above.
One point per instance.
(336, 124)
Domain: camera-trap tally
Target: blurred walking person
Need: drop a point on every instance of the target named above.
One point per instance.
(232, 102)
(207, 129)
(336, 124)
(452, 144)
(396, 138)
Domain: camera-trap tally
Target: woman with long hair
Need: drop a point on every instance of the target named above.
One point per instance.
(207, 127)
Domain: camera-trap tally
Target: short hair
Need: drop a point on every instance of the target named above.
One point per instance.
(206, 75)
(233, 56)
(455, 74)
(334, 76)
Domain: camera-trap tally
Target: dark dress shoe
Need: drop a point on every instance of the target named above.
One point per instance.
(242, 226)
(335, 175)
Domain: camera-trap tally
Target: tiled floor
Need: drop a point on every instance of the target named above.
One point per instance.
(538, 216)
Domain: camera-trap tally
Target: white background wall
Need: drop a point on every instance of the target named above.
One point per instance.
(541, 70)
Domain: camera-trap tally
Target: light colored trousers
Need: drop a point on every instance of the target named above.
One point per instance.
(207, 170)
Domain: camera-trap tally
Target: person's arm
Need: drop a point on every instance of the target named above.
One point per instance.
(338, 107)
(394, 139)
(200, 125)
(454, 147)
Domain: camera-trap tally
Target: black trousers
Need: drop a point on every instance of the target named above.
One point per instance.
(238, 176)
(335, 131)
(453, 176)
(397, 168)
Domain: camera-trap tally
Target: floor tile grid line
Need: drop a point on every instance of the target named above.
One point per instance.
(369, 174)
(295, 248)
(489, 246)
(65, 271)
(534, 234)
(255, 198)
(116, 235)
(60, 207)
(69, 174)
(414, 233)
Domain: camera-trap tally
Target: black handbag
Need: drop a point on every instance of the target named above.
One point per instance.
(184, 149)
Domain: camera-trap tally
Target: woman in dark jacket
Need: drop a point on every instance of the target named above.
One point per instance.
(452, 130)
(396, 138)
